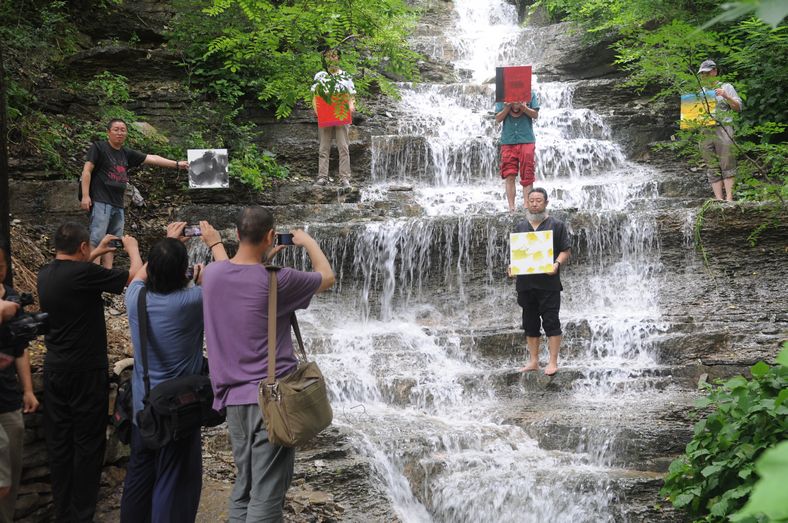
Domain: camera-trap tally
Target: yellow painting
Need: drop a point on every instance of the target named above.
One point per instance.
(531, 252)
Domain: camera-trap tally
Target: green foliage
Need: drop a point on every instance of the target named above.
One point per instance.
(768, 493)
(717, 472)
(254, 168)
(660, 46)
(770, 12)
(109, 88)
(271, 50)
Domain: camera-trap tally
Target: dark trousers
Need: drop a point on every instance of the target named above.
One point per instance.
(540, 311)
(75, 423)
(162, 486)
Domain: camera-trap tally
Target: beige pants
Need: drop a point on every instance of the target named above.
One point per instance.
(325, 134)
(717, 150)
(13, 432)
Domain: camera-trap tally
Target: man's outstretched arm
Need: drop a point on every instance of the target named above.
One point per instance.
(160, 161)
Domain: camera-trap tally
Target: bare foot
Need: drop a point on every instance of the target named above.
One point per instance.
(531, 366)
(551, 370)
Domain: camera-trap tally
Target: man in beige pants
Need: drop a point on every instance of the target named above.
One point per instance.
(716, 146)
(342, 84)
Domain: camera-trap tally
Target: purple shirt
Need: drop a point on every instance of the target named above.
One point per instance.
(235, 308)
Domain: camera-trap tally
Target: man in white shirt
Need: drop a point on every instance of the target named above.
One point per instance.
(342, 83)
(716, 146)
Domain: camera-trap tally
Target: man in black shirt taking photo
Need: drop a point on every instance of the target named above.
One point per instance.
(76, 367)
(104, 179)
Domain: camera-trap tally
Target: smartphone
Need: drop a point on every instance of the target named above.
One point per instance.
(190, 273)
(284, 238)
(118, 244)
(192, 230)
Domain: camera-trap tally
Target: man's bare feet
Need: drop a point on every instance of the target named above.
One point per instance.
(533, 365)
(550, 370)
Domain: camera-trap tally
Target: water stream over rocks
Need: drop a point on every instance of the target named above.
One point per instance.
(421, 343)
(421, 340)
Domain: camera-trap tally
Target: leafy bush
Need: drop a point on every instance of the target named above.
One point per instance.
(768, 493)
(271, 50)
(717, 472)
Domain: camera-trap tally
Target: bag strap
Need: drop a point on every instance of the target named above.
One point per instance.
(271, 326)
(272, 308)
(142, 315)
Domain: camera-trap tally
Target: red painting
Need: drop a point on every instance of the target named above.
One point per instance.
(335, 113)
(513, 84)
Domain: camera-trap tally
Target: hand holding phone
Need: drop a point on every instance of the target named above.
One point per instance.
(192, 230)
(284, 238)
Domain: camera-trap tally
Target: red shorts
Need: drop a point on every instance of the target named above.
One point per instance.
(518, 158)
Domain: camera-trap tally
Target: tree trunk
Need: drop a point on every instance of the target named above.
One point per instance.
(5, 205)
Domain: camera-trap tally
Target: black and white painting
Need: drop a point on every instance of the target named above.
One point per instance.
(208, 169)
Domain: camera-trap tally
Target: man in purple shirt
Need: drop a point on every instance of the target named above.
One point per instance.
(235, 308)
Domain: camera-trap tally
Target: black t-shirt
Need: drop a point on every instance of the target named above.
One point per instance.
(70, 291)
(110, 171)
(10, 394)
(561, 243)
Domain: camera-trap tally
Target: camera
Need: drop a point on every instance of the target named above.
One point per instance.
(190, 273)
(25, 326)
(284, 238)
(192, 230)
(118, 244)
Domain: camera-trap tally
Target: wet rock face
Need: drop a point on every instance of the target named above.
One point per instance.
(717, 320)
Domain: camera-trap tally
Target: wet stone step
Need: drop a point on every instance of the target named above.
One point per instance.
(643, 434)
(512, 493)
(513, 383)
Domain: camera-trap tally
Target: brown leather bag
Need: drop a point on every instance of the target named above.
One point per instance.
(296, 407)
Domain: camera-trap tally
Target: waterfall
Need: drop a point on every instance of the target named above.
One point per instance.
(421, 343)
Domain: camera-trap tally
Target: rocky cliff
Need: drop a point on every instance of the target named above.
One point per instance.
(724, 315)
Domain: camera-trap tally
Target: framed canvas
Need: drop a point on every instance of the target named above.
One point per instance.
(531, 252)
(208, 168)
(335, 113)
(513, 84)
(694, 112)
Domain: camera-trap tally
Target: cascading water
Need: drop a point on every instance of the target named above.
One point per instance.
(440, 419)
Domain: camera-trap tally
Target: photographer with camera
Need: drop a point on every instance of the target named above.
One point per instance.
(7, 310)
(76, 380)
(165, 484)
(236, 333)
(12, 402)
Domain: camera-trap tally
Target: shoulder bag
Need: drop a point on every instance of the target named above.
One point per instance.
(176, 407)
(296, 407)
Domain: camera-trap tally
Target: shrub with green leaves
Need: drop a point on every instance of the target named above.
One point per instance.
(271, 50)
(716, 475)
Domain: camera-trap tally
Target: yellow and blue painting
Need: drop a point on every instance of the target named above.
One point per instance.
(697, 109)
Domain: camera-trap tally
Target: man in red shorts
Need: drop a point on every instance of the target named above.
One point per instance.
(517, 145)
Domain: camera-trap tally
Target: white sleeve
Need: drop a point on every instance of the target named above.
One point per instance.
(731, 92)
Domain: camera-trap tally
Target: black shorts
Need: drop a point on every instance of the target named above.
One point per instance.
(540, 310)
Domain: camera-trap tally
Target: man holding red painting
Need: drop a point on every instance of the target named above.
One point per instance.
(518, 145)
(334, 105)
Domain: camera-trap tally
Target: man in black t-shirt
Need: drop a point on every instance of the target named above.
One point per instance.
(104, 179)
(76, 367)
(540, 294)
